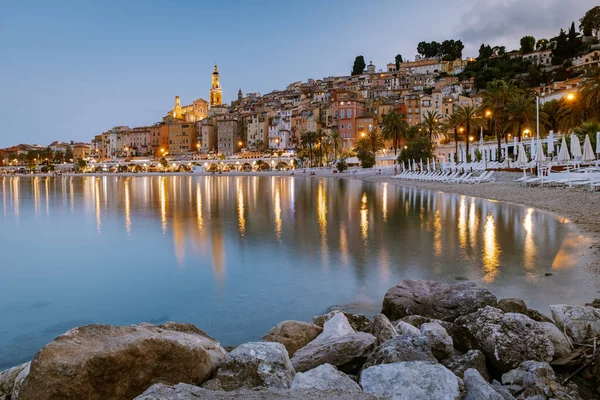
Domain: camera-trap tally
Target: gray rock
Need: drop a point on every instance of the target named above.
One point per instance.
(478, 388)
(400, 349)
(11, 380)
(338, 345)
(502, 390)
(473, 359)
(439, 340)
(293, 334)
(416, 320)
(188, 392)
(257, 364)
(562, 346)
(325, 377)
(435, 299)
(415, 380)
(533, 379)
(580, 323)
(507, 339)
(358, 322)
(382, 329)
(404, 328)
(512, 305)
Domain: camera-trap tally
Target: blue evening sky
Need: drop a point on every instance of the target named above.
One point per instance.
(70, 69)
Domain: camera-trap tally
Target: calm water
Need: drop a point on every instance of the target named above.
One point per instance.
(236, 255)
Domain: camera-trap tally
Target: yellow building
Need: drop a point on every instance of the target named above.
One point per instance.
(216, 93)
(191, 113)
(81, 151)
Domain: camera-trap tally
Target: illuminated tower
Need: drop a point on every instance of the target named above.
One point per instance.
(240, 95)
(177, 107)
(216, 93)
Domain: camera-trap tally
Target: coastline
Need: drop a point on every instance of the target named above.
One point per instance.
(579, 209)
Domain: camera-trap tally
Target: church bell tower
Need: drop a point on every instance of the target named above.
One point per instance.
(216, 93)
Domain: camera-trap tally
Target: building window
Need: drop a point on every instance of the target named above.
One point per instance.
(349, 113)
(349, 126)
(342, 114)
(342, 126)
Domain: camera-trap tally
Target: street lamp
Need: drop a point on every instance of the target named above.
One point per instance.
(571, 96)
(362, 134)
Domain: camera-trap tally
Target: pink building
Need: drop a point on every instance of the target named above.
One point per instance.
(347, 106)
(139, 141)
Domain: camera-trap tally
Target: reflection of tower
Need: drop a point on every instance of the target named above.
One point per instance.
(216, 93)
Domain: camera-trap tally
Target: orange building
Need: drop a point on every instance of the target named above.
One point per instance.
(347, 106)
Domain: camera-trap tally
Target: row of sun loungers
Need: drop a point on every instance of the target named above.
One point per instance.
(572, 179)
(447, 176)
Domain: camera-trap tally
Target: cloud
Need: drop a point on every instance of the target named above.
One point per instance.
(504, 22)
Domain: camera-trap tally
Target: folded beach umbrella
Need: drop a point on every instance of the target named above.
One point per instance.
(597, 142)
(421, 164)
(576, 148)
(428, 169)
(522, 157)
(532, 149)
(551, 142)
(433, 163)
(563, 154)
(539, 154)
(588, 152)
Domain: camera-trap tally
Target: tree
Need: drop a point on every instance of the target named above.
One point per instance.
(335, 138)
(527, 44)
(417, 148)
(359, 65)
(522, 113)
(399, 61)
(428, 50)
(485, 52)
(308, 139)
(164, 163)
(470, 117)
(372, 141)
(432, 125)
(590, 23)
(541, 44)
(497, 94)
(590, 91)
(453, 122)
(320, 139)
(395, 127)
(561, 49)
(451, 49)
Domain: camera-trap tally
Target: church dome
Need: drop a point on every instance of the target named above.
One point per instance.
(215, 72)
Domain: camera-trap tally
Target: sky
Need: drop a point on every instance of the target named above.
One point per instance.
(71, 69)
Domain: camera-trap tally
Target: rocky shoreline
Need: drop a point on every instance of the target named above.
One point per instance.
(432, 340)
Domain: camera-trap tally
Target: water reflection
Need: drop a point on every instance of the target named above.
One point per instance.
(196, 248)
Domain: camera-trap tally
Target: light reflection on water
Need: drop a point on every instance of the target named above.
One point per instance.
(236, 255)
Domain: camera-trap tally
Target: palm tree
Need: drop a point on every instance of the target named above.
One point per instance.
(497, 94)
(335, 138)
(395, 127)
(453, 123)
(521, 111)
(431, 123)
(470, 117)
(590, 91)
(373, 140)
(308, 139)
(321, 135)
(552, 109)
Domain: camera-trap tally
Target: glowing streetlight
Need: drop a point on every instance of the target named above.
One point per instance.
(471, 138)
(488, 113)
(362, 134)
(461, 129)
(571, 96)
(240, 143)
(526, 132)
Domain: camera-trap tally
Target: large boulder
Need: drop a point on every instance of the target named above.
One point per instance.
(478, 388)
(400, 349)
(473, 359)
(507, 339)
(404, 328)
(560, 342)
(383, 329)
(251, 365)
(325, 377)
(512, 305)
(358, 322)
(338, 345)
(435, 299)
(293, 334)
(11, 381)
(415, 380)
(580, 323)
(537, 380)
(189, 392)
(96, 362)
(439, 340)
